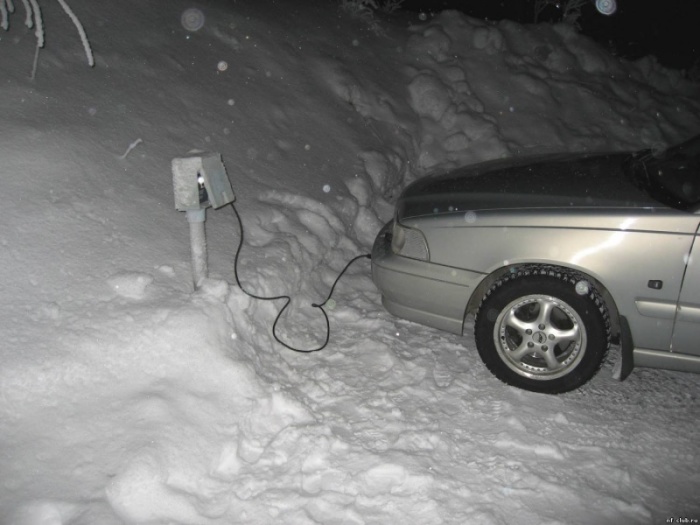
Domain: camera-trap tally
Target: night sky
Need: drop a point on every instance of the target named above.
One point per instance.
(667, 29)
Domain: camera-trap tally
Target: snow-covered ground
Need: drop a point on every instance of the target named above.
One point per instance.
(125, 397)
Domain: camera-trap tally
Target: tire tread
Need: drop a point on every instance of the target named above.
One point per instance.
(563, 274)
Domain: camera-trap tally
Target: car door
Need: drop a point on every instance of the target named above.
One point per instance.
(686, 331)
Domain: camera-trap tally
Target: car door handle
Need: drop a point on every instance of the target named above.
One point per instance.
(655, 284)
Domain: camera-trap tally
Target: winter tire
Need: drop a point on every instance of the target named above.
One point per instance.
(543, 329)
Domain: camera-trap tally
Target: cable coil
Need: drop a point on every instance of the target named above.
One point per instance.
(287, 298)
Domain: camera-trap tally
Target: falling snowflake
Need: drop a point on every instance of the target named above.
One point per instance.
(582, 287)
(327, 188)
(222, 66)
(606, 7)
(470, 217)
(192, 19)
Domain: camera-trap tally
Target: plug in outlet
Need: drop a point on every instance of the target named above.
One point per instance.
(199, 182)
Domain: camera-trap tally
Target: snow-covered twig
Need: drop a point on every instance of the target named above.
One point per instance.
(363, 10)
(38, 23)
(131, 146)
(574, 5)
(38, 32)
(27, 14)
(390, 6)
(6, 7)
(570, 9)
(34, 20)
(81, 31)
(540, 6)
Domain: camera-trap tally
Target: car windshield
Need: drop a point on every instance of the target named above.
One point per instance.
(671, 176)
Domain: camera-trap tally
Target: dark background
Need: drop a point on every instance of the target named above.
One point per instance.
(667, 29)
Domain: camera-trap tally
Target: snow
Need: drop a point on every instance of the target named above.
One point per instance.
(127, 397)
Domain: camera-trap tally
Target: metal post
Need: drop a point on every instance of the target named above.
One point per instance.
(198, 243)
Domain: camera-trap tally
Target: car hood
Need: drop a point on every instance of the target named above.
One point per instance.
(552, 181)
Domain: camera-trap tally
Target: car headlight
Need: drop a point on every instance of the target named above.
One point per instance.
(408, 242)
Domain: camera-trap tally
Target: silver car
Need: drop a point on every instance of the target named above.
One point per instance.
(555, 257)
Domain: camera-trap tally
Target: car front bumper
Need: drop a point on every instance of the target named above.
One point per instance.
(420, 291)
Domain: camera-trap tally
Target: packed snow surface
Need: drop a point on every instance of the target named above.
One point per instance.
(128, 398)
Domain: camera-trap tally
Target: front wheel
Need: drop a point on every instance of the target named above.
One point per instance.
(543, 329)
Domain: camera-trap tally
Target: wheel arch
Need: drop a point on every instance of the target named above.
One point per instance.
(481, 289)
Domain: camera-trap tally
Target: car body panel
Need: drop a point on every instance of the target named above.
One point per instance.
(589, 250)
(644, 357)
(435, 296)
(574, 218)
(551, 182)
(687, 323)
(589, 213)
(649, 311)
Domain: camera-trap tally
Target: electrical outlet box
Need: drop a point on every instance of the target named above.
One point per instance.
(200, 181)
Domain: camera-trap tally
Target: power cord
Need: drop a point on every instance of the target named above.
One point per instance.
(287, 298)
